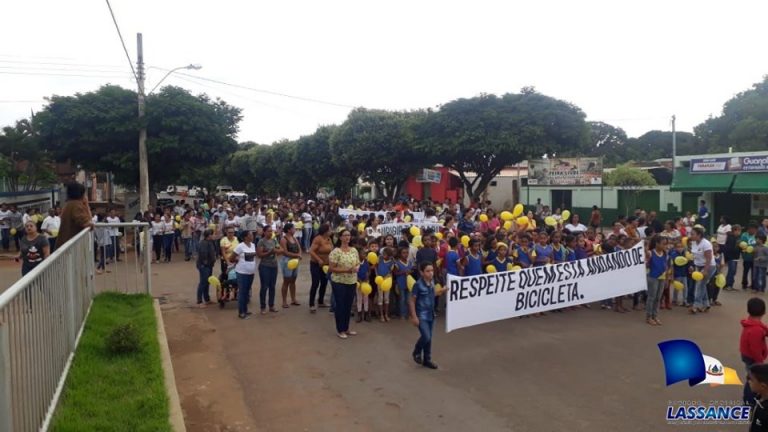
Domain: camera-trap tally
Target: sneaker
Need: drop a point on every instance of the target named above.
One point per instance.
(244, 316)
(417, 358)
(429, 364)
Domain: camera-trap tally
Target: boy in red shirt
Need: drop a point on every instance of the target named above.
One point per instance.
(752, 342)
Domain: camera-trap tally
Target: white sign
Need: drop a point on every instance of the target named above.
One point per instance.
(429, 176)
(346, 213)
(396, 229)
(490, 297)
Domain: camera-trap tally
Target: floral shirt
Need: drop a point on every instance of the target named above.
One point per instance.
(347, 260)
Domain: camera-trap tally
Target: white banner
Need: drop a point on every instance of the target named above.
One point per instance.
(474, 300)
(346, 213)
(396, 229)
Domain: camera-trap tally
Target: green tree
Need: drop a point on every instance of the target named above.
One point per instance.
(480, 136)
(379, 146)
(24, 163)
(314, 166)
(657, 144)
(743, 124)
(99, 130)
(630, 179)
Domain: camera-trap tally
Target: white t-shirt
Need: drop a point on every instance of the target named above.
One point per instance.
(51, 223)
(579, 228)
(432, 219)
(698, 249)
(113, 231)
(4, 223)
(246, 258)
(306, 218)
(157, 228)
(722, 233)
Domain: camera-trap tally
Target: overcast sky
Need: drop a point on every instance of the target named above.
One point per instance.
(631, 64)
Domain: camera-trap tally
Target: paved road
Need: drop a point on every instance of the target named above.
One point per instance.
(584, 370)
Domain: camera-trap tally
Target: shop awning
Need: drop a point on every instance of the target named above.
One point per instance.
(684, 181)
(751, 183)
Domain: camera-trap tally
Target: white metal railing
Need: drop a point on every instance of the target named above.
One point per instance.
(42, 317)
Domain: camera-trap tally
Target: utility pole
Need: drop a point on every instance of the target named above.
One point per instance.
(143, 164)
(674, 148)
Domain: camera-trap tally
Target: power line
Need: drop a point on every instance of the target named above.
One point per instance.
(269, 92)
(61, 74)
(122, 41)
(14, 62)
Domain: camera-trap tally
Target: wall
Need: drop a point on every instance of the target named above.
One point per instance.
(43, 199)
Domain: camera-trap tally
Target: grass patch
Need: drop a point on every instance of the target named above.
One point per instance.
(115, 392)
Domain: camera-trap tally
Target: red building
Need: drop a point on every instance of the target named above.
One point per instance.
(436, 184)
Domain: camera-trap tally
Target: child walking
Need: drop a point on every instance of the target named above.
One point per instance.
(422, 310)
(384, 269)
(658, 273)
(752, 346)
(403, 268)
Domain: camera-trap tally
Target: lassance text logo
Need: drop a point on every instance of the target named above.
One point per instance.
(683, 360)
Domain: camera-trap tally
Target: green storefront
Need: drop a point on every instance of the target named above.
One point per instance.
(733, 185)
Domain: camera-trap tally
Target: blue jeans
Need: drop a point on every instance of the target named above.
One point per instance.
(690, 293)
(202, 286)
(102, 253)
(115, 251)
(655, 288)
(405, 295)
(268, 280)
(168, 246)
(307, 237)
(343, 295)
(5, 233)
(730, 277)
(758, 279)
(189, 247)
(423, 346)
(701, 295)
(244, 283)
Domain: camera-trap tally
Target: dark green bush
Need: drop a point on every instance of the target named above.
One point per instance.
(123, 339)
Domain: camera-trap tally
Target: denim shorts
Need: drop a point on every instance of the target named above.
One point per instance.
(287, 273)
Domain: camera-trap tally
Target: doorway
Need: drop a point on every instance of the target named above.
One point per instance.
(562, 199)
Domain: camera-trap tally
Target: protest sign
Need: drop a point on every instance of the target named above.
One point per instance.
(396, 229)
(347, 214)
(490, 297)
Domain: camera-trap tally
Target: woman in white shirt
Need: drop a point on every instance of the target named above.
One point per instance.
(157, 226)
(245, 257)
(704, 262)
(50, 227)
(169, 233)
(723, 230)
(575, 226)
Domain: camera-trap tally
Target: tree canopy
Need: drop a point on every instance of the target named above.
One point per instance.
(480, 136)
(99, 130)
(24, 162)
(627, 176)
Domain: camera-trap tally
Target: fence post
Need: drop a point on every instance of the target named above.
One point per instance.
(6, 402)
(147, 261)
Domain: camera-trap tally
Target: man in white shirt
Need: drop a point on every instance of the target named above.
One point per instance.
(50, 228)
(114, 234)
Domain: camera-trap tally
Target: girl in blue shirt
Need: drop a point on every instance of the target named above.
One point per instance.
(384, 269)
(363, 275)
(501, 260)
(559, 252)
(658, 272)
(570, 243)
(473, 260)
(522, 254)
(452, 258)
(403, 268)
(679, 272)
(544, 252)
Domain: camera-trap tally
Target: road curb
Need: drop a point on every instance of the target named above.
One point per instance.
(176, 416)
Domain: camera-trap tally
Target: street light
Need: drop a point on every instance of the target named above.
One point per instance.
(188, 67)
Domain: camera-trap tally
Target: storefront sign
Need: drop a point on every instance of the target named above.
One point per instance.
(729, 165)
(565, 171)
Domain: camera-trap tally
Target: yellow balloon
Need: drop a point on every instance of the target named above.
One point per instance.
(490, 269)
(212, 227)
(299, 225)
(514, 268)
(549, 220)
(293, 264)
(507, 216)
(465, 240)
(366, 288)
(373, 259)
(407, 218)
(681, 261)
(177, 225)
(54, 232)
(749, 249)
(438, 288)
(720, 281)
(566, 214)
(508, 225)
(523, 221)
(386, 284)
(410, 282)
(415, 231)
(483, 217)
(325, 269)
(743, 245)
(678, 285)
(379, 280)
(361, 227)
(685, 241)
(689, 256)
(697, 276)
(350, 207)
(417, 241)
(439, 235)
(178, 218)
(214, 282)
(518, 210)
